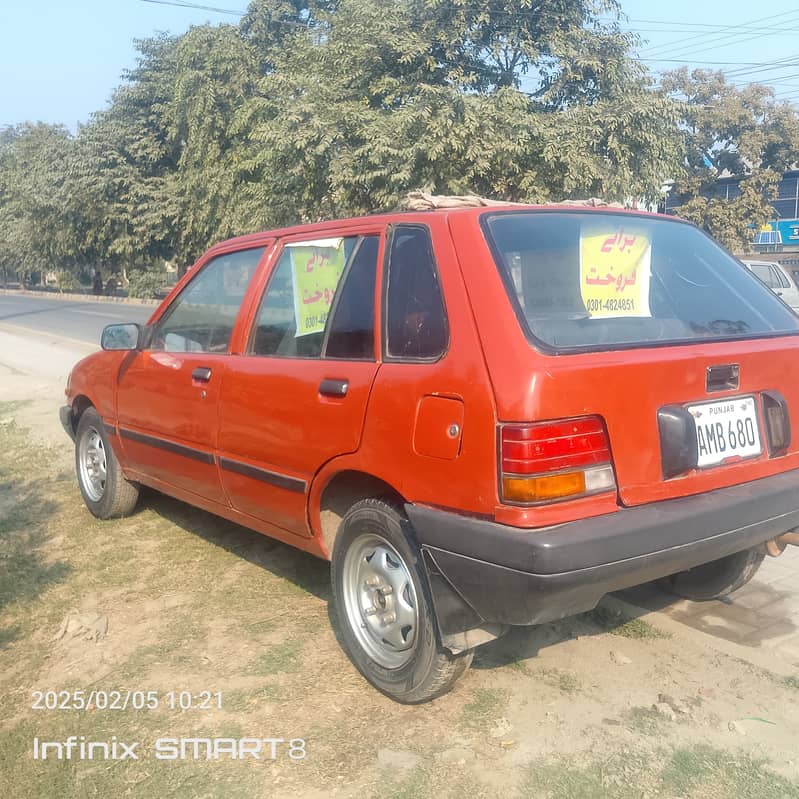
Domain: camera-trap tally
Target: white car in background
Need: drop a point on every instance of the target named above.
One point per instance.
(776, 277)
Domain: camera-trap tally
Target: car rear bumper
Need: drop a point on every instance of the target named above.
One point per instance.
(483, 574)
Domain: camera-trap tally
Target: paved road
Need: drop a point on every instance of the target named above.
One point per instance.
(76, 320)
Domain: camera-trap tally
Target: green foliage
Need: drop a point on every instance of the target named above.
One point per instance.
(312, 109)
(66, 281)
(143, 283)
(418, 94)
(731, 131)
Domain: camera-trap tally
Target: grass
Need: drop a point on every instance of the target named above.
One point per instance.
(707, 772)
(196, 603)
(608, 779)
(283, 657)
(617, 623)
(26, 568)
(700, 772)
(416, 786)
(565, 681)
(487, 704)
(645, 720)
(180, 588)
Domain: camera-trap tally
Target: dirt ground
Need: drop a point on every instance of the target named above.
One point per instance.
(600, 705)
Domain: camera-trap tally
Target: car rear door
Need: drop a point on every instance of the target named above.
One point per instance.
(296, 397)
(167, 394)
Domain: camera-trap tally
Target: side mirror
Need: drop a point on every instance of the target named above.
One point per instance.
(121, 337)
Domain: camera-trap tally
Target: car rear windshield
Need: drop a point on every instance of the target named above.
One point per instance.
(597, 280)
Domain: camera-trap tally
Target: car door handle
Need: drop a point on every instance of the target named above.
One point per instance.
(334, 388)
(201, 374)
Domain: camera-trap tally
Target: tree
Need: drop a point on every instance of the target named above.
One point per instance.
(424, 93)
(731, 131)
(216, 70)
(41, 215)
(129, 158)
(322, 108)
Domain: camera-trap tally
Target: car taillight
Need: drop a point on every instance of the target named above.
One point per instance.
(548, 461)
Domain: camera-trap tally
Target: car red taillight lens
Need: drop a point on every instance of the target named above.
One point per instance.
(547, 461)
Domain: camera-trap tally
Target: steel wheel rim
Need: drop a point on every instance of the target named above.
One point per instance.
(92, 463)
(380, 601)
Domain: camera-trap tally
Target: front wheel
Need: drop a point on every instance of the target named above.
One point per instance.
(717, 578)
(106, 492)
(383, 606)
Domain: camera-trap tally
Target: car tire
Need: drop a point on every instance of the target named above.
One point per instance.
(106, 492)
(717, 578)
(384, 609)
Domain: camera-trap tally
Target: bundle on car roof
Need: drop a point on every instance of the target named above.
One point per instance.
(423, 201)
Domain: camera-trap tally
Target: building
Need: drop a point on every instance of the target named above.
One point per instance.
(779, 240)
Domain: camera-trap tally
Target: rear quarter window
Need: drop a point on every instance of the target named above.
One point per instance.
(589, 280)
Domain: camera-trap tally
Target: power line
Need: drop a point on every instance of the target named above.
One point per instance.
(716, 29)
(730, 34)
(775, 66)
(690, 24)
(753, 67)
(180, 4)
(711, 63)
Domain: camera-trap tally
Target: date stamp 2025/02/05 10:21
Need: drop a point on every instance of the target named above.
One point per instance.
(80, 747)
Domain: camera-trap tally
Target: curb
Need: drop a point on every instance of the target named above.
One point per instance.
(48, 295)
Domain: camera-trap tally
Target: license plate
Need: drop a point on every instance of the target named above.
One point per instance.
(726, 429)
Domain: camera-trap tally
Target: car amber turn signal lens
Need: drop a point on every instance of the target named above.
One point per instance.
(549, 461)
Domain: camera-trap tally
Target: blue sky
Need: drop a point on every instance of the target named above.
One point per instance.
(60, 59)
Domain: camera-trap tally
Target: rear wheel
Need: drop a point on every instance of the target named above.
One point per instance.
(383, 607)
(717, 578)
(105, 490)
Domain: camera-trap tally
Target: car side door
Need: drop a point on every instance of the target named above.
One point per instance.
(296, 397)
(167, 393)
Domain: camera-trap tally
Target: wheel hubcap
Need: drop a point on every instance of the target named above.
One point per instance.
(380, 601)
(92, 463)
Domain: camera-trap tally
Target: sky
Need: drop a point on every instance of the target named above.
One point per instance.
(61, 59)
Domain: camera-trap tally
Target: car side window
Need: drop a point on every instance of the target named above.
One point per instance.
(201, 319)
(312, 280)
(416, 319)
(764, 273)
(352, 327)
(779, 278)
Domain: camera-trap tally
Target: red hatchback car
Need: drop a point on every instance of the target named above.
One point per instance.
(483, 417)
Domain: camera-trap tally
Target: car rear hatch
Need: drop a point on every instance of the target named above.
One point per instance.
(645, 323)
(683, 420)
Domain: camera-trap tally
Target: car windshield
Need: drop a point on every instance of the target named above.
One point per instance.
(604, 280)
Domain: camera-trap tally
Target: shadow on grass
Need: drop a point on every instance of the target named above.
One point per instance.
(522, 643)
(8, 636)
(24, 570)
(303, 570)
(313, 576)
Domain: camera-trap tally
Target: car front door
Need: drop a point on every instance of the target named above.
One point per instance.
(297, 395)
(167, 394)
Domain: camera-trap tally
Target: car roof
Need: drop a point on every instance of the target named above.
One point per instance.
(409, 217)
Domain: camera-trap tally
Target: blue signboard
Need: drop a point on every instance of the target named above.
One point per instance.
(789, 230)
